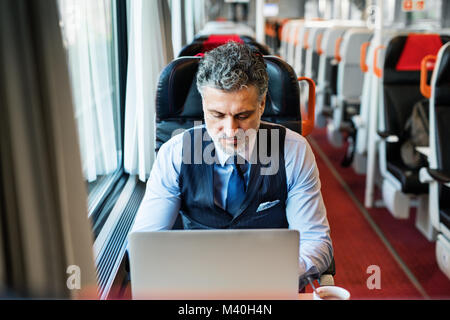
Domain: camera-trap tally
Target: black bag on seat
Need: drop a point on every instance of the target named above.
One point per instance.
(401, 91)
(416, 134)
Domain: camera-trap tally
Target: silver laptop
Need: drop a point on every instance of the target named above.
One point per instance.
(214, 264)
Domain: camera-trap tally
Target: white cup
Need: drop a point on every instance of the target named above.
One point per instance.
(331, 293)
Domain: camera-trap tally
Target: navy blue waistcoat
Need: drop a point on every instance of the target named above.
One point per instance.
(198, 210)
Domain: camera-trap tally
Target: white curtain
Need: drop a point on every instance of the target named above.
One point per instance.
(178, 30)
(195, 18)
(45, 229)
(89, 41)
(199, 15)
(189, 14)
(188, 18)
(149, 53)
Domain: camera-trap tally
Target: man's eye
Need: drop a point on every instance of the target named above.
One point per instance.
(242, 116)
(217, 115)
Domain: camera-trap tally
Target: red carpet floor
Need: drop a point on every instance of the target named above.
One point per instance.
(413, 275)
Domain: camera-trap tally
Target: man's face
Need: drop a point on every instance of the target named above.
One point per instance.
(228, 115)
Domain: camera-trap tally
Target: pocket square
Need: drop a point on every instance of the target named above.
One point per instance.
(267, 205)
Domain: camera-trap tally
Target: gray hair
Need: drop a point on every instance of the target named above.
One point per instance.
(232, 67)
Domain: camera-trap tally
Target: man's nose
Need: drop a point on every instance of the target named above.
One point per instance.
(231, 126)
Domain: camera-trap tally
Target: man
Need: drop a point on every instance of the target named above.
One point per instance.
(234, 185)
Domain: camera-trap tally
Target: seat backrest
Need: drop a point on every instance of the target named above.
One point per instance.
(401, 79)
(226, 27)
(312, 56)
(203, 44)
(329, 38)
(273, 31)
(306, 42)
(286, 38)
(179, 104)
(328, 69)
(370, 84)
(439, 127)
(401, 75)
(441, 101)
(350, 75)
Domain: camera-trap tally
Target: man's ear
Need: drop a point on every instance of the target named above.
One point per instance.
(262, 104)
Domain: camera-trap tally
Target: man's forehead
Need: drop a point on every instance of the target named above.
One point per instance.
(229, 102)
(245, 96)
(245, 90)
(231, 110)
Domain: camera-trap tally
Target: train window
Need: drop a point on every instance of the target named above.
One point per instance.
(88, 34)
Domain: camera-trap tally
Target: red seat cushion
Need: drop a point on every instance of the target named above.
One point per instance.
(417, 46)
(214, 41)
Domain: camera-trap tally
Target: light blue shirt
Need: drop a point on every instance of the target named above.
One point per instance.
(305, 210)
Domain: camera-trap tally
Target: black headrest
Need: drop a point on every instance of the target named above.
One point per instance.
(259, 47)
(283, 97)
(178, 98)
(191, 49)
(442, 84)
(177, 95)
(396, 50)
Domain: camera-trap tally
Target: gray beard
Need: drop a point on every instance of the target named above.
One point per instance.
(231, 151)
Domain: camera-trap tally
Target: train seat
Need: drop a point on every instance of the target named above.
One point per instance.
(292, 41)
(302, 48)
(201, 44)
(273, 33)
(369, 100)
(401, 91)
(270, 34)
(179, 105)
(226, 27)
(312, 53)
(325, 73)
(438, 173)
(361, 120)
(306, 41)
(349, 84)
(284, 38)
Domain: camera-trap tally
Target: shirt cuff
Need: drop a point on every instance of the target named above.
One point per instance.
(307, 271)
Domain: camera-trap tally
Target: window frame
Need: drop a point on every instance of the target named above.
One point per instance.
(99, 196)
(113, 199)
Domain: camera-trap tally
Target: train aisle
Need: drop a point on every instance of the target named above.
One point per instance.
(372, 237)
